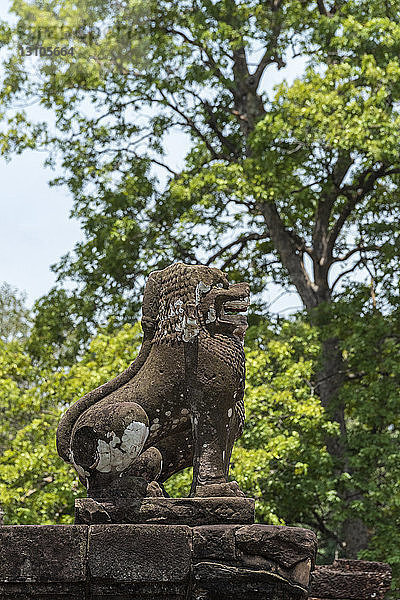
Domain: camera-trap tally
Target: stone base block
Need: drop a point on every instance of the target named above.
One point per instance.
(44, 562)
(165, 511)
(145, 561)
(255, 562)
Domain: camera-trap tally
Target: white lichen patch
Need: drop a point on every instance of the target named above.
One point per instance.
(211, 315)
(188, 327)
(179, 307)
(201, 290)
(118, 453)
(230, 413)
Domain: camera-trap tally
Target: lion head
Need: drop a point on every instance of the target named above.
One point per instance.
(193, 300)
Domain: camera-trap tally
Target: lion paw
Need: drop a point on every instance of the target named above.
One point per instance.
(153, 490)
(228, 489)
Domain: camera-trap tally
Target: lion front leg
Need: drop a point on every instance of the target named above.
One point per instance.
(213, 443)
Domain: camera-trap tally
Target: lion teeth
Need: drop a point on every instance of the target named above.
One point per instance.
(236, 305)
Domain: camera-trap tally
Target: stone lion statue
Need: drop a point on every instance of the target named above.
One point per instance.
(180, 403)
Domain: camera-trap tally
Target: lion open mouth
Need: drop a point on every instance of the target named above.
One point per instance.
(234, 311)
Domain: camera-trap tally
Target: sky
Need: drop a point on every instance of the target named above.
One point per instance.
(35, 228)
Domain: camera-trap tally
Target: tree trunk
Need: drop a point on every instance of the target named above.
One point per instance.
(330, 380)
(354, 534)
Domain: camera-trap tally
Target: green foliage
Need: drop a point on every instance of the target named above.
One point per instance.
(14, 316)
(36, 486)
(283, 446)
(371, 394)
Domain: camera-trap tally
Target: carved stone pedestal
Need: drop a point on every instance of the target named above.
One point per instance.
(165, 511)
(193, 549)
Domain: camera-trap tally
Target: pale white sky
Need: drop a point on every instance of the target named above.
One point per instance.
(35, 228)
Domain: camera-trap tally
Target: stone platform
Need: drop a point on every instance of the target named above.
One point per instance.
(155, 561)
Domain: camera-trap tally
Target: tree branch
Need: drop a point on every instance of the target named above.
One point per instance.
(323, 528)
(164, 166)
(292, 260)
(210, 62)
(343, 273)
(324, 210)
(322, 8)
(191, 124)
(349, 254)
(211, 121)
(354, 194)
(243, 239)
(270, 55)
(266, 60)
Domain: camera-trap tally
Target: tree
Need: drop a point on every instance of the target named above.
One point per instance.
(14, 316)
(299, 186)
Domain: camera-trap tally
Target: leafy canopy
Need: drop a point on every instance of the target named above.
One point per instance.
(272, 178)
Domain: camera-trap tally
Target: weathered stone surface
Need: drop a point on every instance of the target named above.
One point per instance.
(147, 560)
(140, 552)
(257, 561)
(43, 591)
(351, 580)
(179, 404)
(138, 591)
(43, 553)
(167, 511)
(286, 546)
(214, 542)
(214, 581)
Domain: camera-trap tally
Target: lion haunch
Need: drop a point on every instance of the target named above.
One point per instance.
(180, 403)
